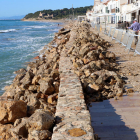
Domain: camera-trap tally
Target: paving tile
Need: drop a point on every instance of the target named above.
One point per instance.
(103, 134)
(119, 117)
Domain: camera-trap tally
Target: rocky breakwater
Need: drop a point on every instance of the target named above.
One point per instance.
(30, 105)
(51, 92)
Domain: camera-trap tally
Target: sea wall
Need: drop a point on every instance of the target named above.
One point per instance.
(72, 117)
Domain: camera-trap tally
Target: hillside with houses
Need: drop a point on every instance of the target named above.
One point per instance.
(58, 14)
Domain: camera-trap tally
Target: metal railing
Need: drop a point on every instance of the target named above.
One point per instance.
(127, 40)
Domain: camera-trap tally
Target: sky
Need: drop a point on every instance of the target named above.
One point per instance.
(10, 8)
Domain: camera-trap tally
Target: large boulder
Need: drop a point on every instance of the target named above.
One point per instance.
(40, 135)
(84, 50)
(46, 85)
(12, 110)
(39, 121)
(26, 81)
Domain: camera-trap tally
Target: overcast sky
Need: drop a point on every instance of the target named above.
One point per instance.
(22, 7)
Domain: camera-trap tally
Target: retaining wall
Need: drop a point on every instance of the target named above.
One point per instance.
(73, 118)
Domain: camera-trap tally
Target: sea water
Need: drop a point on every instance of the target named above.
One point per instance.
(20, 41)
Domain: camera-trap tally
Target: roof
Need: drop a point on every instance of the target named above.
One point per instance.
(123, 3)
(105, 2)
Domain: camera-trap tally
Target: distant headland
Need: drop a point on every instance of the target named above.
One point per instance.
(56, 14)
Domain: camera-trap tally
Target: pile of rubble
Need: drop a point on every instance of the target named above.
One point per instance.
(95, 66)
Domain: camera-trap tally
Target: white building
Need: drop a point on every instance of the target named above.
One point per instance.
(130, 10)
(124, 10)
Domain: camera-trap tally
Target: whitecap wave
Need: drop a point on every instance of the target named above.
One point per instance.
(44, 26)
(6, 31)
(3, 88)
(9, 82)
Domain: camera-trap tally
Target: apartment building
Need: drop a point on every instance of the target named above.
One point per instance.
(130, 10)
(124, 10)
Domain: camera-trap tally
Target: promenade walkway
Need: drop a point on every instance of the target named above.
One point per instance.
(120, 119)
(117, 119)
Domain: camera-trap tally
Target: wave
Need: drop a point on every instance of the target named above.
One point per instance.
(6, 31)
(44, 26)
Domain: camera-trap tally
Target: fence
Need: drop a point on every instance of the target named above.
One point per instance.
(127, 40)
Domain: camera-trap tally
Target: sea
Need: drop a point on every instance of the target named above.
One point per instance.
(20, 42)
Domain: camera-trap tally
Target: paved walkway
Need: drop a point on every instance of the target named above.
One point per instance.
(119, 119)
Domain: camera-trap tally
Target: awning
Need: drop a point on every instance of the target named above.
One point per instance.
(133, 11)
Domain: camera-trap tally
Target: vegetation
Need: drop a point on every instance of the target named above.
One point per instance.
(61, 13)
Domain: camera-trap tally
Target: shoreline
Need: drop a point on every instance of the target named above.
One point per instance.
(33, 59)
(45, 20)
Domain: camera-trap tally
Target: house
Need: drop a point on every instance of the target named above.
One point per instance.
(43, 15)
(48, 16)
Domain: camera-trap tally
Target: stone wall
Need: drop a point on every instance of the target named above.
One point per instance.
(73, 118)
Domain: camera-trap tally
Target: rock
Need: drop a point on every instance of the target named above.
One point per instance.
(87, 72)
(76, 132)
(34, 88)
(130, 90)
(18, 121)
(37, 57)
(12, 110)
(55, 74)
(18, 95)
(94, 86)
(19, 77)
(84, 50)
(46, 86)
(85, 67)
(70, 50)
(119, 92)
(32, 65)
(20, 71)
(84, 83)
(92, 64)
(55, 66)
(86, 60)
(56, 86)
(110, 55)
(99, 64)
(26, 81)
(32, 99)
(78, 72)
(40, 120)
(93, 55)
(75, 65)
(39, 135)
(110, 95)
(99, 81)
(56, 58)
(101, 56)
(5, 133)
(51, 98)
